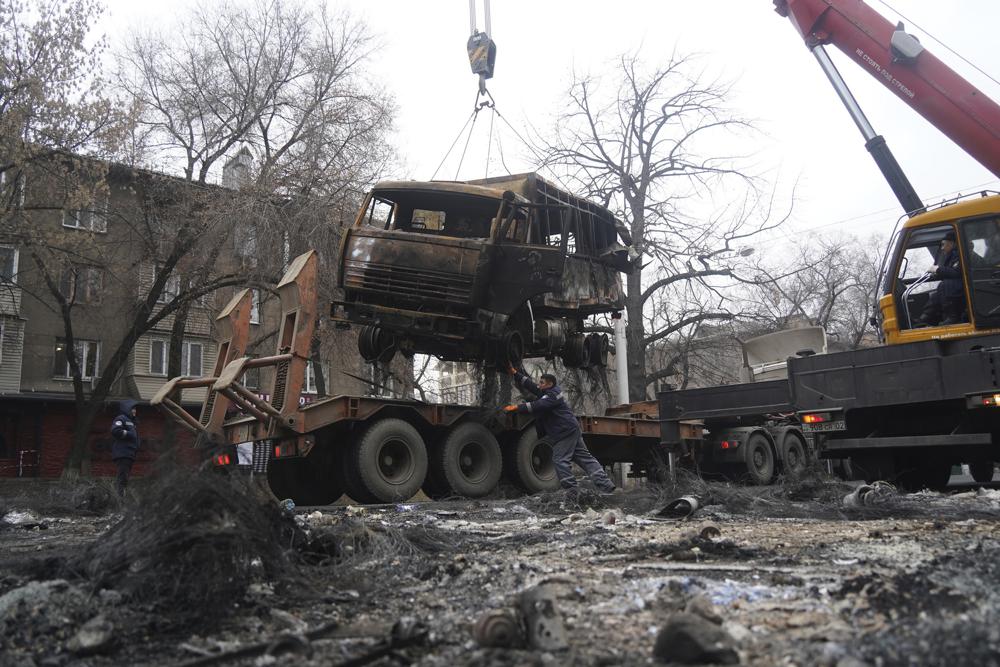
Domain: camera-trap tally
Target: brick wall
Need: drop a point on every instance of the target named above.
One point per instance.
(47, 428)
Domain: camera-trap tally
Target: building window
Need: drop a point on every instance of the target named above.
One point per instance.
(82, 284)
(8, 264)
(245, 240)
(93, 219)
(310, 386)
(159, 349)
(88, 355)
(255, 306)
(191, 359)
(251, 379)
(15, 199)
(171, 289)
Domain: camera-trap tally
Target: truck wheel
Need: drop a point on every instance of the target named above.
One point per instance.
(982, 471)
(391, 460)
(467, 462)
(759, 460)
(307, 481)
(531, 461)
(795, 461)
(350, 478)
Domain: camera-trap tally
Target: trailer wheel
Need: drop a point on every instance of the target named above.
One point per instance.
(795, 461)
(531, 461)
(307, 481)
(981, 471)
(759, 459)
(391, 460)
(467, 462)
(350, 478)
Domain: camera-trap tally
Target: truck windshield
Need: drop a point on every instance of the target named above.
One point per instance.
(429, 212)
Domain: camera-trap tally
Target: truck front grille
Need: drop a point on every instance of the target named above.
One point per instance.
(406, 282)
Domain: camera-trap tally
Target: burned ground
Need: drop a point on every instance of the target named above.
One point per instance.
(200, 570)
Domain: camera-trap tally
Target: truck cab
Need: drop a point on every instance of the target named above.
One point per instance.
(498, 269)
(921, 303)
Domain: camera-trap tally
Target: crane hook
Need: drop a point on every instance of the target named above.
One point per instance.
(481, 48)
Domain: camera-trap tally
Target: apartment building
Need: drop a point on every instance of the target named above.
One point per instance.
(109, 251)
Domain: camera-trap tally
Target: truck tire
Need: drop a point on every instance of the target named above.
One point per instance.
(794, 454)
(531, 462)
(307, 481)
(390, 459)
(350, 478)
(981, 471)
(467, 462)
(759, 460)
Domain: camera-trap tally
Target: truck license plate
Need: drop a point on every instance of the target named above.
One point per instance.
(838, 425)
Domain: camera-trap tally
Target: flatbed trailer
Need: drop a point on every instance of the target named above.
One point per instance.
(375, 449)
(904, 412)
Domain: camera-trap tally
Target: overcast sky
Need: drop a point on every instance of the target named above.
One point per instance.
(805, 136)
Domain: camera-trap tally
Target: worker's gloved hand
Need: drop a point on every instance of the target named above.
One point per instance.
(510, 408)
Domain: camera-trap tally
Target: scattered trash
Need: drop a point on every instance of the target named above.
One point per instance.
(25, 519)
(543, 620)
(279, 645)
(95, 636)
(499, 628)
(405, 633)
(710, 533)
(690, 639)
(869, 495)
(679, 508)
(287, 505)
(699, 605)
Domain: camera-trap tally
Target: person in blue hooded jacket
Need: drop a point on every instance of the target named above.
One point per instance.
(554, 419)
(125, 433)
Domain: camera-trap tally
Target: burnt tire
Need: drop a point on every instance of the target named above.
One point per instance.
(307, 481)
(981, 471)
(794, 454)
(758, 460)
(531, 463)
(467, 462)
(390, 460)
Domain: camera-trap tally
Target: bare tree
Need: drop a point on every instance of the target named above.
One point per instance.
(640, 150)
(829, 282)
(281, 87)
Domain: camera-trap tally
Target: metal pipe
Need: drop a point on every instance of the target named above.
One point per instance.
(843, 92)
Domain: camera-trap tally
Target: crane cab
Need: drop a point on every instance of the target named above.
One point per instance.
(942, 277)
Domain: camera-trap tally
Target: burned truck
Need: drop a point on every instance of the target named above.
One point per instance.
(497, 270)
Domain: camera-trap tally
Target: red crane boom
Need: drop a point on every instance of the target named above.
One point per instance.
(935, 91)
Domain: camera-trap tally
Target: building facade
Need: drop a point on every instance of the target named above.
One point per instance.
(93, 263)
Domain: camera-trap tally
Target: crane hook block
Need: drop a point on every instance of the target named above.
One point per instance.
(482, 54)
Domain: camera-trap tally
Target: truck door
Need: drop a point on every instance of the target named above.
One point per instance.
(528, 255)
(982, 259)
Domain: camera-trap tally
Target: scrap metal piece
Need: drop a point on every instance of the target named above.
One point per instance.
(499, 628)
(869, 495)
(544, 623)
(678, 508)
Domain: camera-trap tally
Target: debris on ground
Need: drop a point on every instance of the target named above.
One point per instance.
(784, 574)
